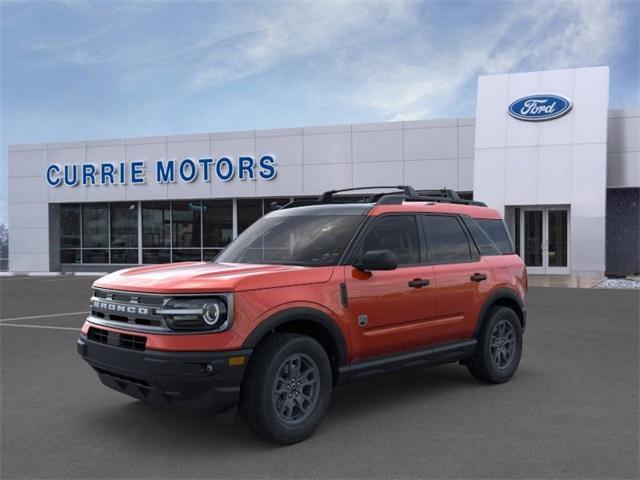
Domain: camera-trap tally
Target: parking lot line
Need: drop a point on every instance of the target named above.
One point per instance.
(34, 317)
(38, 326)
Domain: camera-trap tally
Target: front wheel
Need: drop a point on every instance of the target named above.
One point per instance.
(287, 388)
(499, 346)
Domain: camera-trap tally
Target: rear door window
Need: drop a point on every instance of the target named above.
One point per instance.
(447, 241)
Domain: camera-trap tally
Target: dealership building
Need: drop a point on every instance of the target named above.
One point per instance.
(544, 148)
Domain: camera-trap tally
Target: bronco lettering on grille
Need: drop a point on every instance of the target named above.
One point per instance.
(118, 307)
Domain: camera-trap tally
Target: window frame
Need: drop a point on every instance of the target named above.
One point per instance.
(474, 253)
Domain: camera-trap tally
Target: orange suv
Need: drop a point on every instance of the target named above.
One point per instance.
(313, 295)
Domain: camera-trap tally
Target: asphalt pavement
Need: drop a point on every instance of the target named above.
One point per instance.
(571, 411)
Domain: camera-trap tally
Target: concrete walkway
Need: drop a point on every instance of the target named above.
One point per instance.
(563, 281)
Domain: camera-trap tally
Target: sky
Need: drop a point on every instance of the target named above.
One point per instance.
(74, 70)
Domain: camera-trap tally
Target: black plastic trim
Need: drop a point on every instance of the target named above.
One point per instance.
(344, 295)
(300, 313)
(199, 380)
(497, 295)
(430, 356)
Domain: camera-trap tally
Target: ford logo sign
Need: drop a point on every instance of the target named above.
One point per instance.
(536, 108)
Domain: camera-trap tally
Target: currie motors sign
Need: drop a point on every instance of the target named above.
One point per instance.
(537, 108)
(188, 170)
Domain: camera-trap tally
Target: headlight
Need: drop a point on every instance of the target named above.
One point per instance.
(195, 314)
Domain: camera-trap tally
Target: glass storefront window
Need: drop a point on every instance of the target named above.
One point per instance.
(156, 255)
(124, 255)
(217, 222)
(186, 224)
(172, 231)
(95, 225)
(69, 226)
(124, 225)
(186, 255)
(249, 210)
(209, 254)
(70, 255)
(95, 255)
(156, 224)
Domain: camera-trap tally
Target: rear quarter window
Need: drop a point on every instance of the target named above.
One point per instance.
(494, 238)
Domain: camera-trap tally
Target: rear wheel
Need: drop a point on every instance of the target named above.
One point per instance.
(499, 346)
(287, 388)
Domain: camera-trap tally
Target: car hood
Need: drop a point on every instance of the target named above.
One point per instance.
(206, 277)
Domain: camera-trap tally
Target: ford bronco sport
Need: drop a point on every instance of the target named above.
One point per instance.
(311, 296)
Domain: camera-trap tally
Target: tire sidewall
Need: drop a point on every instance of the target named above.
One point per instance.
(295, 433)
(498, 375)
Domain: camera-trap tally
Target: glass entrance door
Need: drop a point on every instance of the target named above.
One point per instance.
(544, 241)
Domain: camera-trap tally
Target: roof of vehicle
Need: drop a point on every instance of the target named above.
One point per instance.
(402, 198)
(356, 208)
(373, 209)
(438, 207)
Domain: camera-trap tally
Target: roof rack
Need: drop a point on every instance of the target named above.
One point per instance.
(326, 196)
(397, 196)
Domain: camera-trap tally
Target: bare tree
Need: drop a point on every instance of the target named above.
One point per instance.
(4, 242)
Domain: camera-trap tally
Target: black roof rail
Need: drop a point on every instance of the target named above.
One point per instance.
(443, 192)
(400, 194)
(326, 196)
(398, 199)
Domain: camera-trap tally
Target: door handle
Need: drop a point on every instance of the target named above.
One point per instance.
(419, 282)
(478, 277)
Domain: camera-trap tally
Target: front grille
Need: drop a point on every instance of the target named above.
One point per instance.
(133, 342)
(129, 309)
(122, 340)
(98, 335)
(128, 297)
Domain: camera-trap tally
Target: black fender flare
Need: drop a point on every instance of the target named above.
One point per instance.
(495, 297)
(296, 314)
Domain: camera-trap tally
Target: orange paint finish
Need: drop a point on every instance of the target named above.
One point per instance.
(459, 298)
(205, 277)
(419, 207)
(398, 317)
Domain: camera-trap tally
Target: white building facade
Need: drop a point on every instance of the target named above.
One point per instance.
(544, 148)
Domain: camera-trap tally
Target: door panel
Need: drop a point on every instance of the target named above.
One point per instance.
(455, 261)
(398, 316)
(459, 298)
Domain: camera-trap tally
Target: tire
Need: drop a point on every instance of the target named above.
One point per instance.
(499, 346)
(273, 406)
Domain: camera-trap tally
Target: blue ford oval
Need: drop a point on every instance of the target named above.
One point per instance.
(536, 108)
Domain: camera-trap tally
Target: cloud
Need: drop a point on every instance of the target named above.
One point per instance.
(295, 30)
(532, 36)
(391, 57)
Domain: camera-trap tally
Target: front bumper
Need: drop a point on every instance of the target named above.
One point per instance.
(199, 380)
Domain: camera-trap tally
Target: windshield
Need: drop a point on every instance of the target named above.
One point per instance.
(313, 240)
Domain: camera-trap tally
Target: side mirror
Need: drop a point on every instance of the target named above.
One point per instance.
(377, 260)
